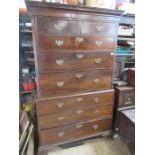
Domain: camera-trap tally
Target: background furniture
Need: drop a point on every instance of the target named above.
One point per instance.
(124, 99)
(124, 73)
(74, 56)
(26, 56)
(27, 97)
(127, 128)
(125, 59)
(131, 77)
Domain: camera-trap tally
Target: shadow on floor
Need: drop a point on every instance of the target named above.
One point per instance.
(98, 146)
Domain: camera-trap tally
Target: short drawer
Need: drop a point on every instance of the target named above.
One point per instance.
(74, 115)
(63, 42)
(57, 25)
(98, 28)
(59, 104)
(51, 62)
(78, 81)
(126, 99)
(74, 131)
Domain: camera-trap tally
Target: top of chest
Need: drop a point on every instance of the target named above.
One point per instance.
(72, 11)
(125, 89)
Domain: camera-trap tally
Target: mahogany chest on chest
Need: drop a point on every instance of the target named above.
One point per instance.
(74, 58)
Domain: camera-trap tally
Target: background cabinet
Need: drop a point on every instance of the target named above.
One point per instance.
(125, 53)
(26, 60)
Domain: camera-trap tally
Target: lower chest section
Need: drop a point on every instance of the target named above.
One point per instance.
(67, 118)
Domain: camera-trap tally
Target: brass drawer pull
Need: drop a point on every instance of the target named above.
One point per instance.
(79, 126)
(80, 56)
(128, 102)
(98, 60)
(96, 126)
(60, 25)
(79, 99)
(79, 75)
(96, 99)
(60, 104)
(60, 62)
(98, 43)
(96, 80)
(59, 42)
(60, 83)
(129, 98)
(79, 111)
(61, 134)
(99, 28)
(79, 39)
(96, 111)
(61, 118)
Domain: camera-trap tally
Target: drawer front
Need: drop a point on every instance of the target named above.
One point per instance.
(73, 61)
(98, 28)
(64, 103)
(74, 115)
(68, 82)
(57, 26)
(72, 26)
(126, 99)
(73, 132)
(62, 42)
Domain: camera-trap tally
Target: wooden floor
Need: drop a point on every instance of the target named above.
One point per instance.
(98, 146)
